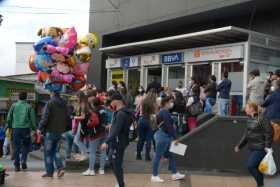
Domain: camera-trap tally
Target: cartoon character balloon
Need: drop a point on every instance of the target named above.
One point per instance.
(60, 60)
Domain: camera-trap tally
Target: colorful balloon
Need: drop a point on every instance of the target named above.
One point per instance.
(58, 77)
(81, 69)
(43, 62)
(31, 62)
(78, 82)
(38, 46)
(52, 49)
(69, 38)
(83, 54)
(91, 40)
(42, 76)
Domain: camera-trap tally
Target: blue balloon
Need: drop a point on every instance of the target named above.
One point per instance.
(43, 62)
(53, 87)
(38, 46)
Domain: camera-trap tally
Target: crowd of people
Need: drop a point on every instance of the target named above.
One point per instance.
(97, 123)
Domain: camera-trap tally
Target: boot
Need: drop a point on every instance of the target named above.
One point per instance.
(138, 156)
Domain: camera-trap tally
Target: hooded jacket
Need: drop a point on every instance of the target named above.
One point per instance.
(55, 117)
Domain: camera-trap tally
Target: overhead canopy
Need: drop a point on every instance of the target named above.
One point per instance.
(217, 36)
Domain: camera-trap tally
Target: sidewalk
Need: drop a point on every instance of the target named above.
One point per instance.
(33, 179)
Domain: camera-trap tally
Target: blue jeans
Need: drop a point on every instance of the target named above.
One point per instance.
(209, 103)
(51, 152)
(70, 146)
(224, 107)
(93, 146)
(163, 142)
(253, 162)
(21, 145)
(77, 140)
(145, 135)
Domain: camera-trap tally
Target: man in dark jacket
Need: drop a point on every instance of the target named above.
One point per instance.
(118, 138)
(271, 104)
(211, 94)
(224, 94)
(53, 125)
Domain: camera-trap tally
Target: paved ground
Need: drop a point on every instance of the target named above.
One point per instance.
(33, 179)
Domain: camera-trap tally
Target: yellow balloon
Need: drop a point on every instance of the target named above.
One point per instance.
(91, 40)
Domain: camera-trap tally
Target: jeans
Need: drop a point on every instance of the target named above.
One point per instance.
(21, 145)
(224, 107)
(163, 142)
(93, 146)
(209, 103)
(51, 152)
(145, 135)
(77, 140)
(253, 162)
(70, 146)
(117, 155)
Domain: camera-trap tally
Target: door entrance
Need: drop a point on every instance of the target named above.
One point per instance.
(133, 81)
(175, 74)
(202, 72)
(154, 73)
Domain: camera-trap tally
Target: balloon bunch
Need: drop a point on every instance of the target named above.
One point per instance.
(60, 60)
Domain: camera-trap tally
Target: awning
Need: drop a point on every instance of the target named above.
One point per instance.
(217, 36)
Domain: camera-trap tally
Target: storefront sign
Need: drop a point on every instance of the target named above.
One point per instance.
(129, 62)
(117, 75)
(150, 60)
(171, 58)
(113, 63)
(215, 53)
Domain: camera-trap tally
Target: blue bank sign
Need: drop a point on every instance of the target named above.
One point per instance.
(171, 58)
(129, 62)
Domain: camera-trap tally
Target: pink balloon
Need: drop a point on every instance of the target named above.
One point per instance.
(81, 69)
(51, 49)
(58, 77)
(69, 38)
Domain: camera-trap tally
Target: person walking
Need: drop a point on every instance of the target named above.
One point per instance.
(145, 127)
(271, 104)
(164, 136)
(21, 119)
(258, 136)
(224, 95)
(52, 125)
(118, 138)
(256, 88)
(211, 94)
(95, 132)
(193, 101)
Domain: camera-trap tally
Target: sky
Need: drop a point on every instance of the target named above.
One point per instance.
(22, 20)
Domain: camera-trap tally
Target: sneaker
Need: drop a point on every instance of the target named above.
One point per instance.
(17, 168)
(101, 172)
(60, 173)
(86, 173)
(92, 173)
(138, 157)
(156, 179)
(24, 166)
(117, 185)
(46, 175)
(178, 176)
(82, 158)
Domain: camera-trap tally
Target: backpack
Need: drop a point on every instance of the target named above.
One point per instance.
(276, 133)
(94, 120)
(195, 109)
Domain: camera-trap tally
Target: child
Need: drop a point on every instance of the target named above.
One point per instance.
(7, 143)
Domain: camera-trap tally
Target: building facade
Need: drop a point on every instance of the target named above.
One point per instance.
(122, 21)
(23, 52)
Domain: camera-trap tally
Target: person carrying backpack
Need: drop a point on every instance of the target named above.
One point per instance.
(21, 119)
(95, 132)
(118, 138)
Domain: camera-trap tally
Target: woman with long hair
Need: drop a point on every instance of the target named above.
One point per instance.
(164, 136)
(148, 106)
(258, 137)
